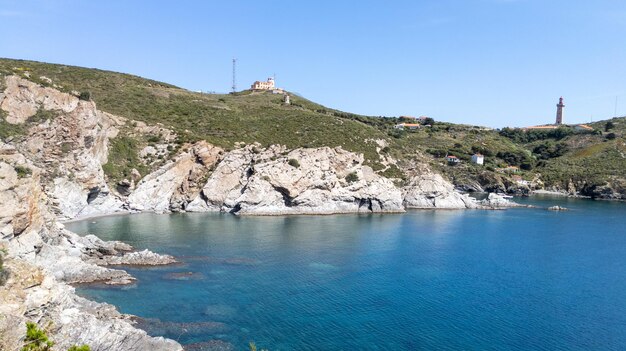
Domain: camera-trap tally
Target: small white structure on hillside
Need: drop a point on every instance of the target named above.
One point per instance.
(411, 126)
(452, 159)
(478, 159)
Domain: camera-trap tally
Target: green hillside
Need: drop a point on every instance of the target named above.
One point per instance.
(225, 119)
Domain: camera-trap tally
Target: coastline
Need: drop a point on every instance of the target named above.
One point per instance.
(551, 192)
(93, 216)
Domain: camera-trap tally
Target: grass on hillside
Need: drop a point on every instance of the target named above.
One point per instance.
(225, 119)
(220, 119)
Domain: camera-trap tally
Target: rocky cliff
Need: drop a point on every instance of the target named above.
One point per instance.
(42, 258)
(72, 147)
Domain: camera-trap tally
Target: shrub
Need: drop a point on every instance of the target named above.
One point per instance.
(550, 150)
(3, 272)
(153, 139)
(79, 348)
(428, 121)
(611, 136)
(352, 177)
(294, 163)
(66, 147)
(526, 166)
(37, 340)
(85, 95)
(123, 157)
(23, 172)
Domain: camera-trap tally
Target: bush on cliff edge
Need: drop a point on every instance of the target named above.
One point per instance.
(37, 340)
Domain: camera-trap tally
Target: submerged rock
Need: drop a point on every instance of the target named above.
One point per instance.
(184, 276)
(138, 258)
(155, 326)
(557, 208)
(211, 345)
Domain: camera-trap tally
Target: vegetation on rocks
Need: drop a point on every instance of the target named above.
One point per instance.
(123, 158)
(19, 130)
(37, 340)
(22, 171)
(3, 272)
(352, 177)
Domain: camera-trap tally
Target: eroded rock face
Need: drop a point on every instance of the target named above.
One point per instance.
(23, 98)
(273, 181)
(171, 187)
(430, 190)
(70, 148)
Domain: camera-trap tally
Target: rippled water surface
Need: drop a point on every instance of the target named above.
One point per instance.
(521, 279)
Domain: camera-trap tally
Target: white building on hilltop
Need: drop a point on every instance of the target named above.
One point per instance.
(268, 85)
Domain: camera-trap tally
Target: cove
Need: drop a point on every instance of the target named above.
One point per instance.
(519, 279)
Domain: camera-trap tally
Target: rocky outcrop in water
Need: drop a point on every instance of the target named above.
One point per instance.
(496, 201)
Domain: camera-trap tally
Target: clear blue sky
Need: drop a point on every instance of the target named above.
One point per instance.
(486, 62)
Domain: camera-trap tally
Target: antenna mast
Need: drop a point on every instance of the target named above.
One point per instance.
(234, 75)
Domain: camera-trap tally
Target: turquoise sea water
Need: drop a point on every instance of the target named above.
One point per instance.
(520, 279)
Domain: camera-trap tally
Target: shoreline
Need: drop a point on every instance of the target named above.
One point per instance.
(552, 192)
(100, 215)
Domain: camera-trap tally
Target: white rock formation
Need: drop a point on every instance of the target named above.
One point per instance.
(430, 190)
(263, 182)
(173, 185)
(496, 201)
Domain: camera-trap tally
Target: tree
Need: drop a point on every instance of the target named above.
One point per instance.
(352, 177)
(609, 125)
(428, 121)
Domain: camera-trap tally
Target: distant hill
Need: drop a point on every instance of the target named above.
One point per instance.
(585, 160)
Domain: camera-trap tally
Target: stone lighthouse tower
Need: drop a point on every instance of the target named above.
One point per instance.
(559, 112)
